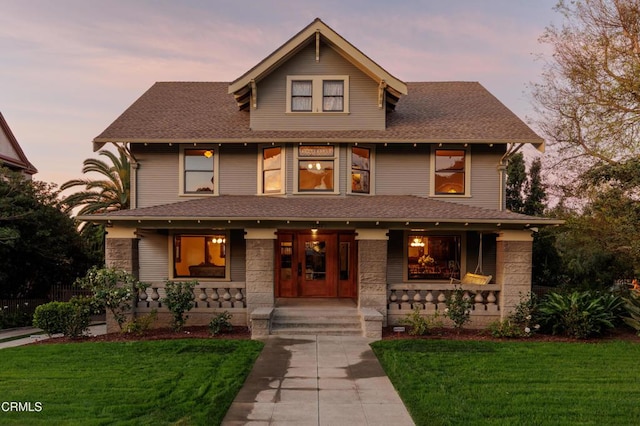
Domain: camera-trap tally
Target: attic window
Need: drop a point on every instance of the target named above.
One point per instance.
(317, 94)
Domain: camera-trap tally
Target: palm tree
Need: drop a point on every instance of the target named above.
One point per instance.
(105, 195)
(100, 196)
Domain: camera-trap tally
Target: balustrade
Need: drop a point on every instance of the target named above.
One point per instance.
(433, 297)
(211, 296)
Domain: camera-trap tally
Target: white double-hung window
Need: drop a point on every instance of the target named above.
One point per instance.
(317, 94)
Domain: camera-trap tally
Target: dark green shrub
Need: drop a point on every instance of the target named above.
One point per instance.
(458, 308)
(179, 299)
(632, 306)
(53, 317)
(524, 321)
(141, 324)
(579, 314)
(115, 290)
(220, 323)
(419, 324)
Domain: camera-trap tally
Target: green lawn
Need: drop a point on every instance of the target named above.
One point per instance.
(186, 381)
(446, 382)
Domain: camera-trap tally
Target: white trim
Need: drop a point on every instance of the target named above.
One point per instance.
(336, 170)
(372, 166)
(216, 170)
(467, 171)
(283, 163)
(317, 93)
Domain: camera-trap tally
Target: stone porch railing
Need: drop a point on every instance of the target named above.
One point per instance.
(210, 298)
(431, 298)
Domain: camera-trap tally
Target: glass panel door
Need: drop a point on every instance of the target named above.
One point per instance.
(318, 265)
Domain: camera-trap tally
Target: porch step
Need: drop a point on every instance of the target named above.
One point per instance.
(307, 321)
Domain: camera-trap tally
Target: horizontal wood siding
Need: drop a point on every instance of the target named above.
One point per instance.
(488, 253)
(153, 250)
(402, 170)
(157, 174)
(485, 179)
(238, 255)
(363, 96)
(238, 170)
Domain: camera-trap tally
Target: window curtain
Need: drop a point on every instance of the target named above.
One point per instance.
(301, 96)
(333, 96)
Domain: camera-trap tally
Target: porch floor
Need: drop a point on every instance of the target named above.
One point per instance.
(315, 302)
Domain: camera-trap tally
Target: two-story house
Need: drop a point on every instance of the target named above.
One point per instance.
(11, 154)
(318, 179)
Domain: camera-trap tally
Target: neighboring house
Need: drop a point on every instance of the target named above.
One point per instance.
(11, 155)
(318, 175)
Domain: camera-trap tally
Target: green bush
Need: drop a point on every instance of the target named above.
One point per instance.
(20, 317)
(114, 290)
(458, 308)
(179, 299)
(141, 324)
(220, 323)
(420, 324)
(632, 306)
(524, 321)
(579, 314)
(69, 318)
(53, 317)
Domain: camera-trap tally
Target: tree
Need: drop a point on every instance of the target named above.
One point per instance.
(589, 97)
(106, 195)
(535, 192)
(516, 178)
(39, 245)
(100, 196)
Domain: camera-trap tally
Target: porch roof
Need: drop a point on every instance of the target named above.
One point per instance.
(405, 209)
(431, 112)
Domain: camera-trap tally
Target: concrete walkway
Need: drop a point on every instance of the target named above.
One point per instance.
(26, 335)
(317, 380)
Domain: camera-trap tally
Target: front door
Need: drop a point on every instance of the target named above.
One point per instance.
(315, 264)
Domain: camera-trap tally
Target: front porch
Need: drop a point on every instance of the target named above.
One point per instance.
(382, 297)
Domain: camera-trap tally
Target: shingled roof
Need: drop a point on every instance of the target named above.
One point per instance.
(449, 112)
(380, 208)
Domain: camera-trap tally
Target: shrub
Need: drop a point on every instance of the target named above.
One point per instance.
(579, 314)
(114, 290)
(220, 323)
(522, 322)
(69, 318)
(179, 299)
(52, 317)
(20, 317)
(420, 324)
(458, 308)
(141, 324)
(632, 306)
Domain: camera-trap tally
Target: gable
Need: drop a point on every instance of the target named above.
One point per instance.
(11, 154)
(317, 34)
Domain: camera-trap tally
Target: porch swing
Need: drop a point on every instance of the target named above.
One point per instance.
(477, 277)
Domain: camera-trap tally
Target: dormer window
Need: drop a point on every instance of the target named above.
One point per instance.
(302, 95)
(317, 94)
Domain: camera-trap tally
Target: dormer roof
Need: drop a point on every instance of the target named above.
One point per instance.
(15, 158)
(317, 32)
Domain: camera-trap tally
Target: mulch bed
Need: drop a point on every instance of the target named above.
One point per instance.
(202, 332)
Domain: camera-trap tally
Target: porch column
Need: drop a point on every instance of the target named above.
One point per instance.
(121, 249)
(121, 252)
(260, 268)
(513, 268)
(372, 270)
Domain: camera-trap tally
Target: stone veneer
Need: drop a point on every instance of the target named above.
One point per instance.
(121, 253)
(372, 273)
(513, 268)
(259, 274)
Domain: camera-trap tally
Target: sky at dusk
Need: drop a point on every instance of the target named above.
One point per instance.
(68, 68)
